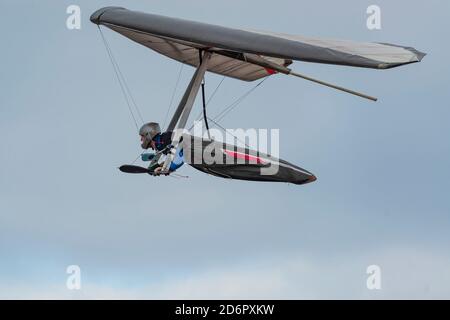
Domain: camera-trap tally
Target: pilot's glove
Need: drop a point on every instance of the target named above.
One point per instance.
(157, 171)
(167, 149)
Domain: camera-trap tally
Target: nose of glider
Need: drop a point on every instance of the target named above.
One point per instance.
(312, 178)
(304, 177)
(307, 178)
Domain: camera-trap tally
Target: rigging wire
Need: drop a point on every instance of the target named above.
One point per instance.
(173, 93)
(122, 82)
(227, 70)
(178, 176)
(215, 91)
(128, 90)
(217, 124)
(122, 77)
(199, 116)
(140, 155)
(233, 105)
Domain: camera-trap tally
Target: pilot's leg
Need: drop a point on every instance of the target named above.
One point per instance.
(178, 161)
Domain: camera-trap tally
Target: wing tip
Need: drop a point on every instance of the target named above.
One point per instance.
(417, 56)
(95, 17)
(420, 55)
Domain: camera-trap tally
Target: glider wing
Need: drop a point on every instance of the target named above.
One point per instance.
(180, 39)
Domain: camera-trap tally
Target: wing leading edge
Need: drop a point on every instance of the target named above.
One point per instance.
(179, 39)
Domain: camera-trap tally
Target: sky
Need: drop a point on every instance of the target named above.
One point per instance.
(381, 198)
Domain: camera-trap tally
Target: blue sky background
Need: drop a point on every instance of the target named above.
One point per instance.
(382, 195)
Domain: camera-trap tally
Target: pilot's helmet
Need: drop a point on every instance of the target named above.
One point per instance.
(147, 132)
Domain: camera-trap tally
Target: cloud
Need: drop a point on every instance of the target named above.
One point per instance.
(407, 273)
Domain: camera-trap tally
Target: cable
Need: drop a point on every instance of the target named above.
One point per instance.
(215, 90)
(122, 82)
(140, 155)
(228, 109)
(123, 78)
(173, 94)
(217, 124)
(233, 105)
(199, 116)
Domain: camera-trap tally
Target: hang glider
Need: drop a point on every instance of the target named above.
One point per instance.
(246, 55)
(236, 163)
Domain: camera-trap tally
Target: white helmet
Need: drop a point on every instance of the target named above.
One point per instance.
(147, 132)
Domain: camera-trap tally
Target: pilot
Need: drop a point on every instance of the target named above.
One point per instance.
(151, 137)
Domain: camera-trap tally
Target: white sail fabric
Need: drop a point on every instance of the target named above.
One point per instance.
(386, 54)
(188, 53)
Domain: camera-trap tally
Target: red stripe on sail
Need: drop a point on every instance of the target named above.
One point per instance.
(270, 71)
(240, 155)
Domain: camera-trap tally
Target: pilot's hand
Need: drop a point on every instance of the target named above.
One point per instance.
(157, 171)
(167, 149)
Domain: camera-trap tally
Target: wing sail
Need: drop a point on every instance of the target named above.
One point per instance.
(178, 39)
(188, 53)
